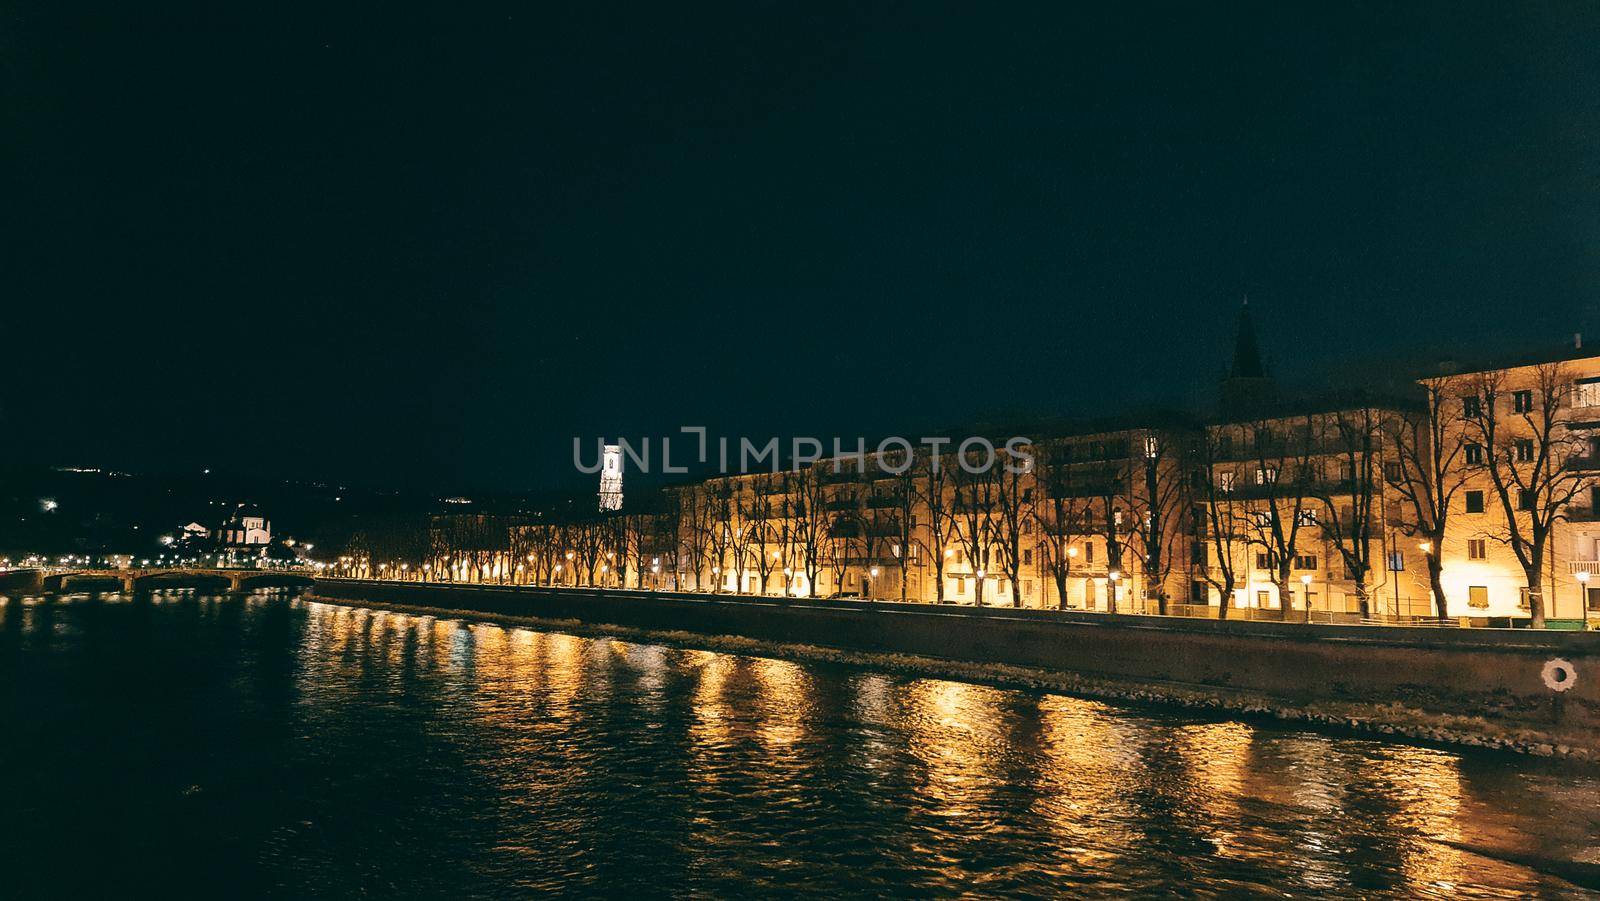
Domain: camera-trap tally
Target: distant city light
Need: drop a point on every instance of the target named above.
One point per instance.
(48, 504)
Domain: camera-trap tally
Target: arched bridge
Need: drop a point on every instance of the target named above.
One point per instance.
(161, 576)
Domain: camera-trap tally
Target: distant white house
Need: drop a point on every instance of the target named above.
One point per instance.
(245, 527)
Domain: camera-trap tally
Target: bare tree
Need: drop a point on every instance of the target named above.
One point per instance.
(721, 520)
(1013, 515)
(1347, 496)
(1281, 488)
(903, 502)
(1428, 447)
(1225, 524)
(809, 523)
(975, 489)
(696, 526)
(1528, 451)
(761, 522)
(1059, 511)
(1158, 509)
(936, 493)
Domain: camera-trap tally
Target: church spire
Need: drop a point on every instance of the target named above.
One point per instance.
(1246, 389)
(1246, 353)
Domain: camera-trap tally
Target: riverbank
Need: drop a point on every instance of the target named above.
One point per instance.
(1533, 692)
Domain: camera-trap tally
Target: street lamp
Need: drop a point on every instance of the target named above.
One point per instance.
(1305, 593)
(1583, 596)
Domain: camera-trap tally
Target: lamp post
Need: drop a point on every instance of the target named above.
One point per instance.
(1305, 594)
(1583, 596)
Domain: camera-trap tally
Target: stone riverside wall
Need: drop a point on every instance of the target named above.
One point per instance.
(1478, 686)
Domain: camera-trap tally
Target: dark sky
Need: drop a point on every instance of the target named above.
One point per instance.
(426, 249)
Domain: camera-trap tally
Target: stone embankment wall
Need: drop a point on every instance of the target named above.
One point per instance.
(1527, 690)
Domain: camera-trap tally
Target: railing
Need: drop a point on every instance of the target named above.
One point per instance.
(1335, 617)
(1583, 566)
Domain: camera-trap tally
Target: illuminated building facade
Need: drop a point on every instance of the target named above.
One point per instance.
(1483, 490)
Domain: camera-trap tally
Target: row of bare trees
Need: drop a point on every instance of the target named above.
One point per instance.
(1208, 502)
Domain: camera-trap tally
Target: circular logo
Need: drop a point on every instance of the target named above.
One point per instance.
(1558, 674)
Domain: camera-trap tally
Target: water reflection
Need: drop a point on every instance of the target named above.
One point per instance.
(317, 749)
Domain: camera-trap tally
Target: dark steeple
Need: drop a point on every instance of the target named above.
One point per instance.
(1246, 389)
(1246, 355)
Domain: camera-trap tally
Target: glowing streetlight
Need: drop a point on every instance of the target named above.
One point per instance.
(1426, 546)
(1072, 552)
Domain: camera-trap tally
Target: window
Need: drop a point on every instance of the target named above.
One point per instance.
(1474, 501)
(1586, 393)
(1477, 549)
(1197, 554)
(1592, 599)
(1474, 453)
(1199, 594)
(1478, 597)
(1263, 560)
(1266, 475)
(961, 584)
(1305, 561)
(1027, 588)
(1027, 556)
(1225, 482)
(1525, 499)
(1088, 552)
(1397, 561)
(1308, 517)
(1027, 495)
(1471, 407)
(1392, 472)
(1522, 401)
(1152, 447)
(1524, 450)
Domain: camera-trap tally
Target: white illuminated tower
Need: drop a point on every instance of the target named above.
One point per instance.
(611, 478)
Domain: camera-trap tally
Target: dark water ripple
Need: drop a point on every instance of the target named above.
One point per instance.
(266, 745)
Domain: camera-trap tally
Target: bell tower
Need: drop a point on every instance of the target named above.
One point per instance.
(611, 478)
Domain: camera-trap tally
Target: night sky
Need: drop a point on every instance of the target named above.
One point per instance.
(425, 249)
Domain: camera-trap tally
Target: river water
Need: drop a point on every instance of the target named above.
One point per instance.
(265, 744)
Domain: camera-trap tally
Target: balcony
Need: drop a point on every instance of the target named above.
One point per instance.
(1592, 567)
